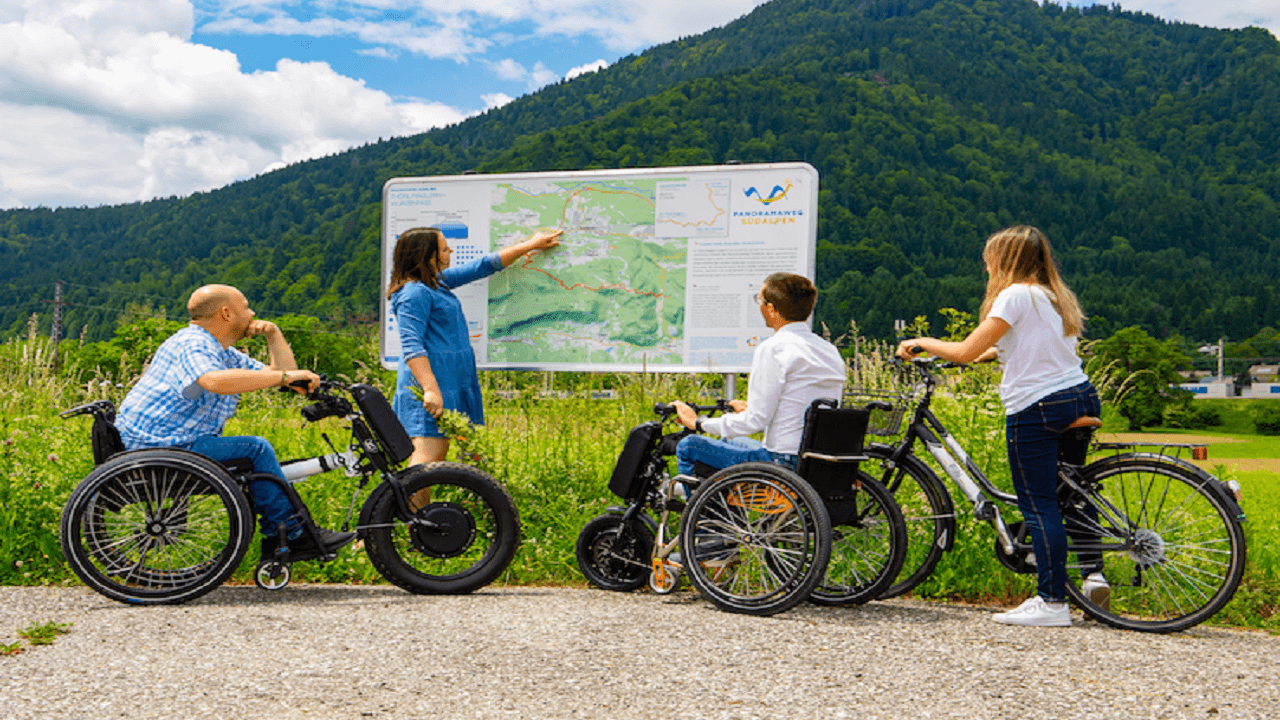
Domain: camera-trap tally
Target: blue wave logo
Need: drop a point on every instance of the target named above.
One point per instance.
(778, 193)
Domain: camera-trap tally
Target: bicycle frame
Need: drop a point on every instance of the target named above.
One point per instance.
(955, 462)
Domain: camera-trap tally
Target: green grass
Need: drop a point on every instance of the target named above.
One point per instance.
(554, 455)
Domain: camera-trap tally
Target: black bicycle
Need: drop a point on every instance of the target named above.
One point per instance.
(1160, 537)
(167, 525)
(753, 538)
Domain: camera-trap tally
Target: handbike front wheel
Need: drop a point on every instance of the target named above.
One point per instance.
(613, 554)
(156, 526)
(1169, 547)
(461, 530)
(755, 539)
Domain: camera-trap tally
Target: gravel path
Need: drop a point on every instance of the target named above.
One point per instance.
(352, 652)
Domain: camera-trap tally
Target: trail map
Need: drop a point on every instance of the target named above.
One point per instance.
(655, 268)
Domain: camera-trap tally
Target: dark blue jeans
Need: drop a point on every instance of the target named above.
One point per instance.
(721, 454)
(1032, 438)
(272, 505)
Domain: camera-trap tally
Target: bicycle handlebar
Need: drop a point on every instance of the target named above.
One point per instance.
(666, 410)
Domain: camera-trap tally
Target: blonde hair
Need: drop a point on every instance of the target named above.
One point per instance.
(1022, 254)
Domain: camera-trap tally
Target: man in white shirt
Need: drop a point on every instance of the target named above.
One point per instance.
(790, 370)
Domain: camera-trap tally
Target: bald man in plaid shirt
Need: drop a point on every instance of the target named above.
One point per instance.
(193, 385)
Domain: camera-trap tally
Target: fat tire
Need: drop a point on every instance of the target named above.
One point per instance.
(614, 555)
(161, 526)
(461, 492)
(1174, 555)
(755, 539)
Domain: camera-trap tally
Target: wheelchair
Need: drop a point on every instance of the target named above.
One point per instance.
(168, 525)
(754, 538)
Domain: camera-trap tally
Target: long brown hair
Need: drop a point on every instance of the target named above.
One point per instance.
(1022, 254)
(412, 259)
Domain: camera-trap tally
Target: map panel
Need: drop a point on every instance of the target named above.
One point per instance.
(612, 292)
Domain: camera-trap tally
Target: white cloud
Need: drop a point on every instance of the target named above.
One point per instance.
(584, 69)
(495, 100)
(108, 101)
(539, 76)
(1213, 13)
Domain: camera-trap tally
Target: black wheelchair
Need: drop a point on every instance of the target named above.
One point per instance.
(168, 525)
(754, 538)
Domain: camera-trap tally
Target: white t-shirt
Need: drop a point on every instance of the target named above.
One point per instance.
(788, 371)
(1038, 358)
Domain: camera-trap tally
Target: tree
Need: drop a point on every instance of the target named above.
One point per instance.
(1135, 371)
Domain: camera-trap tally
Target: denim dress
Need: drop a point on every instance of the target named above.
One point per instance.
(432, 324)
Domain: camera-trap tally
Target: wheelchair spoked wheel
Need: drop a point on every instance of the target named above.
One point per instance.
(156, 526)
(461, 533)
(614, 555)
(756, 539)
(868, 546)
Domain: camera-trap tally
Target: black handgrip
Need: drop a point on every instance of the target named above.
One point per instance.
(879, 405)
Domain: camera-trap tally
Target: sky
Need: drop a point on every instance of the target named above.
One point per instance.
(105, 102)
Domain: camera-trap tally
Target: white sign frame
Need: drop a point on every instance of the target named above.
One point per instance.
(768, 224)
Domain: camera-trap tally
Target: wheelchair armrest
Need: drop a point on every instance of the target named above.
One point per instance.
(834, 458)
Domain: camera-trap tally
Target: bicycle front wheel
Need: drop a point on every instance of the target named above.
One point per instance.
(1168, 545)
(927, 510)
(460, 533)
(868, 545)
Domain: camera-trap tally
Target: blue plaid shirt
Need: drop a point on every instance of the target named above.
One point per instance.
(168, 407)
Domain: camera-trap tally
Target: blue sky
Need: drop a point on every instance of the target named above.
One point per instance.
(114, 101)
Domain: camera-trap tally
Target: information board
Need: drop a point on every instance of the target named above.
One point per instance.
(656, 269)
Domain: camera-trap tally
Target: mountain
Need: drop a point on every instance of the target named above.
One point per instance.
(1147, 150)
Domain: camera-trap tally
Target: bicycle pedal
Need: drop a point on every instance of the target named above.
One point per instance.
(984, 510)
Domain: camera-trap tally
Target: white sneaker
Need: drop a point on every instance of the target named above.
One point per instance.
(1035, 612)
(1097, 590)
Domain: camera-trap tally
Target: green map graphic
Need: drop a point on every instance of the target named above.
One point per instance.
(612, 292)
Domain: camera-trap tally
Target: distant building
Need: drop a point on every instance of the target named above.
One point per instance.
(1213, 387)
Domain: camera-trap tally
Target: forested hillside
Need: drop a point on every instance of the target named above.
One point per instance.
(1149, 151)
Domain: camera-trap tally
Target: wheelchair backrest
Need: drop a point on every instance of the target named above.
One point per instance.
(831, 446)
(103, 436)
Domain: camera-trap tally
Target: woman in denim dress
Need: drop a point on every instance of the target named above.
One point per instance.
(436, 352)
(1031, 320)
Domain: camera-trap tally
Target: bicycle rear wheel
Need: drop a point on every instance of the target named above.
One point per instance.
(927, 509)
(756, 539)
(1167, 542)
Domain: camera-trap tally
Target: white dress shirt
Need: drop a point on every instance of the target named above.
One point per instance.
(789, 370)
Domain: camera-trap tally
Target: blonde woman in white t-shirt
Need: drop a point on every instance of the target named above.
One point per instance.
(1031, 320)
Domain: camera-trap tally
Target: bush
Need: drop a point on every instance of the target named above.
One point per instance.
(1189, 415)
(1266, 419)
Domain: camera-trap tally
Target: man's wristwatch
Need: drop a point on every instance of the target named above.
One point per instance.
(697, 426)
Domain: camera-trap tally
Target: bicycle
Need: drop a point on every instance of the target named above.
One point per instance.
(1165, 534)
(760, 535)
(167, 525)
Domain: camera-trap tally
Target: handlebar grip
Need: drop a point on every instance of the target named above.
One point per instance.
(663, 408)
(879, 405)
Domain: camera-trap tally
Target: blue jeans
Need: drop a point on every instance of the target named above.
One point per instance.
(270, 502)
(1032, 439)
(721, 454)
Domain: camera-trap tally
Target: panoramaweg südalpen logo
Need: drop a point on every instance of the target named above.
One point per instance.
(768, 214)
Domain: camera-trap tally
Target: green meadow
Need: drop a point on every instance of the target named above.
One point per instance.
(554, 446)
